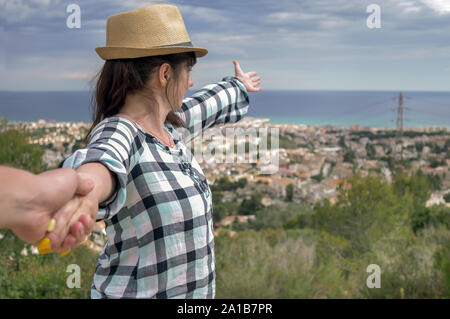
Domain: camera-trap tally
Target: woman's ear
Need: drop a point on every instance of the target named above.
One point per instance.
(164, 74)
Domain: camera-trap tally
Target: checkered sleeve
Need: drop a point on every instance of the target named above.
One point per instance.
(110, 143)
(223, 102)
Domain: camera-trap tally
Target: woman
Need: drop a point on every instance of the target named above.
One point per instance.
(152, 194)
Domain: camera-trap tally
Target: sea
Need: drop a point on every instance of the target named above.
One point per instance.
(378, 109)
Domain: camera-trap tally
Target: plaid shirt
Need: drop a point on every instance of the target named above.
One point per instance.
(159, 220)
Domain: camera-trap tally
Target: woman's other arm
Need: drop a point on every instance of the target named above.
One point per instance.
(223, 102)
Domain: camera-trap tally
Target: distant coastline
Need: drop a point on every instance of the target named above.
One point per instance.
(376, 109)
(251, 121)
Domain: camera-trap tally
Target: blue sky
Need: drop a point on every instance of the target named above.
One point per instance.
(293, 45)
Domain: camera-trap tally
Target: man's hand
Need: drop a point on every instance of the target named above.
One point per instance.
(249, 79)
(42, 196)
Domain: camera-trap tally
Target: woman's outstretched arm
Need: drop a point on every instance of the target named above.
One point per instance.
(219, 103)
(107, 160)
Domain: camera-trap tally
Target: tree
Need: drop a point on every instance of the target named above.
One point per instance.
(242, 182)
(447, 198)
(435, 215)
(289, 192)
(217, 197)
(435, 182)
(419, 147)
(435, 163)
(224, 184)
(341, 142)
(249, 206)
(15, 151)
(219, 213)
(417, 185)
(349, 156)
(363, 213)
(278, 216)
(370, 150)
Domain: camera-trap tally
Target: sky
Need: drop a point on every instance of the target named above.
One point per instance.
(293, 45)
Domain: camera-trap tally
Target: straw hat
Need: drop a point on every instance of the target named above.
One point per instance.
(148, 31)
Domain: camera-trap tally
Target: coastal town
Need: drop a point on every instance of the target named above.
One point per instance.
(312, 161)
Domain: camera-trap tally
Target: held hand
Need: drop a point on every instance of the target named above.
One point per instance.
(81, 212)
(74, 222)
(45, 194)
(81, 223)
(249, 79)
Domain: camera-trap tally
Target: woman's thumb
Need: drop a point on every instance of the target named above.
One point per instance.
(237, 68)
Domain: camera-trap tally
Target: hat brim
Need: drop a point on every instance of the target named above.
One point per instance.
(111, 53)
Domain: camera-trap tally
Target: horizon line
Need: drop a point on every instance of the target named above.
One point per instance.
(264, 90)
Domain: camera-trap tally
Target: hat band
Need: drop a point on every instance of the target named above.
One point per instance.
(183, 44)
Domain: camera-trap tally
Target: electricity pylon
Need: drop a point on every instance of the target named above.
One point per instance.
(399, 135)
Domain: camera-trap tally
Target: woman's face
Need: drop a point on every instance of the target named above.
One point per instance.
(184, 83)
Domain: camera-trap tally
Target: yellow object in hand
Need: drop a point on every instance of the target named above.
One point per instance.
(44, 246)
(52, 224)
(65, 253)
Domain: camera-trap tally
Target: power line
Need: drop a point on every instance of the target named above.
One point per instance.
(431, 101)
(425, 112)
(361, 108)
(358, 113)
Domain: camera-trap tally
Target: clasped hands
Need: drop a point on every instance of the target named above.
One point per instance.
(58, 212)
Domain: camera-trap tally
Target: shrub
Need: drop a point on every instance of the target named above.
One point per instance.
(250, 206)
(447, 197)
(15, 151)
(275, 216)
(362, 213)
(43, 276)
(411, 266)
(435, 216)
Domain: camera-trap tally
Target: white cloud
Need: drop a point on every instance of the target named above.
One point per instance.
(289, 17)
(69, 72)
(440, 6)
(409, 7)
(412, 10)
(203, 14)
(22, 11)
(76, 75)
(223, 43)
(41, 2)
(405, 4)
(317, 37)
(321, 20)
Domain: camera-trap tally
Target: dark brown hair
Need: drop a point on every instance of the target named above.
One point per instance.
(119, 77)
